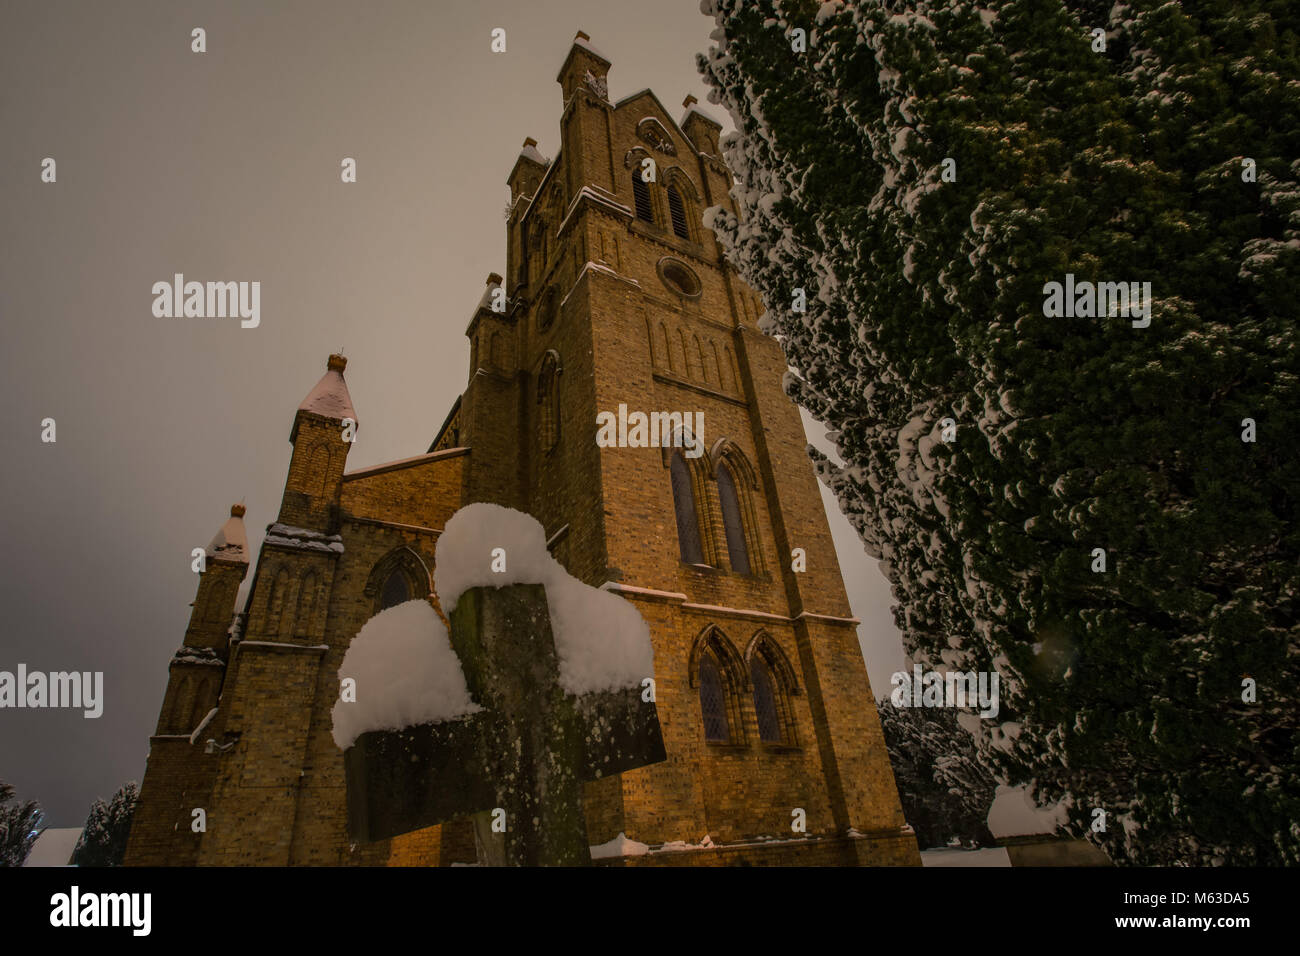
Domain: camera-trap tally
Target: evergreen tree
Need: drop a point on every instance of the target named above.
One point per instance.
(1102, 510)
(103, 840)
(946, 793)
(20, 823)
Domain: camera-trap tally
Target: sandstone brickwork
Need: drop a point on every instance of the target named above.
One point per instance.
(612, 295)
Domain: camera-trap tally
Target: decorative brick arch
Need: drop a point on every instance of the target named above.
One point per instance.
(408, 563)
(713, 646)
(700, 471)
(765, 653)
(745, 480)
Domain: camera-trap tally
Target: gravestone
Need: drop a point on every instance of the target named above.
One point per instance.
(528, 752)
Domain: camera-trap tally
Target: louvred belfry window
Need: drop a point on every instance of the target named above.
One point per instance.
(677, 211)
(641, 197)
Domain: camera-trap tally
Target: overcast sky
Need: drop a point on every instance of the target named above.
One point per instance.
(225, 166)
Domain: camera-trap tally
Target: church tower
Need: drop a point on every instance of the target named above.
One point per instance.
(616, 303)
(619, 300)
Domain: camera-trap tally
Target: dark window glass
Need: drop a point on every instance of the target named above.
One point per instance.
(712, 702)
(523, 252)
(641, 196)
(548, 400)
(395, 590)
(688, 529)
(737, 552)
(677, 211)
(769, 725)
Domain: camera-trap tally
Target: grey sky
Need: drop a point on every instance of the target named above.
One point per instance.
(225, 166)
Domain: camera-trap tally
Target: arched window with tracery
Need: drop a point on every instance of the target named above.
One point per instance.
(677, 212)
(548, 403)
(732, 523)
(713, 701)
(718, 674)
(397, 590)
(773, 684)
(641, 196)
(688, 525)
(398, 577)
(769, 723)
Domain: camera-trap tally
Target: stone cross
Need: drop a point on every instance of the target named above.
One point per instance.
(528, 752)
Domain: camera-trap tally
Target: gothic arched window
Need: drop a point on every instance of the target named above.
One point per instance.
(548, 403)
(677, 212)
(641, 196)
(737, 551)
(769, 721)
(713, 704)
(396, 590)
(688, 528)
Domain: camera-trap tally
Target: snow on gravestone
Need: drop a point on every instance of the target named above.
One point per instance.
(536, 689)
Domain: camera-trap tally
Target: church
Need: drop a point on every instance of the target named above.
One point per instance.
(615, 295)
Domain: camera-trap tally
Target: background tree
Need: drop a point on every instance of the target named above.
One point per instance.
(20, 822)
(103, 840)
(946, 792)
(921, 171)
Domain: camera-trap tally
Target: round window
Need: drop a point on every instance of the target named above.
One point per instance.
(679, 277)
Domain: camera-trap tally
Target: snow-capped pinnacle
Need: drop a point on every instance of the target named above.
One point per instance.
(581, 39)
(692, 106)
(494, 281)
(231, 543)
(330, 397)
(530, 152)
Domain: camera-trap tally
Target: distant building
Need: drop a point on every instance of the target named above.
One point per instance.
(54, 847)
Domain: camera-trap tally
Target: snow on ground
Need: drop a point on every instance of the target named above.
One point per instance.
(619, 846)
(945, 856)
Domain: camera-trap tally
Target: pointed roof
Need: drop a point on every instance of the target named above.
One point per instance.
(494, 281)
(530, 151)
(692, 106)
(231, 543)
(330, 397)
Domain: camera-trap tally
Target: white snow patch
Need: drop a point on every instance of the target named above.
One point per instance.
(619, 846)
(406, 673)
(1014, 814)
(203, 723)
(231, 542)
(330, 398)
(601, 641)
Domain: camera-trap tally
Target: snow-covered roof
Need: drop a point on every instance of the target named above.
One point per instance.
(584, 41)
(53, 847)
(231, 543)
(703, 115)
(493, 283)
(330, 397)
(530, 152)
